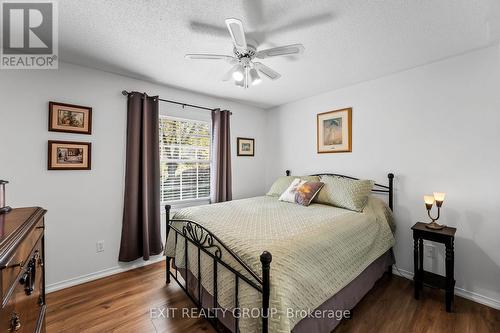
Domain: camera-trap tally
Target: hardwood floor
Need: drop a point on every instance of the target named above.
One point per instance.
(390, 307)
(122, 303)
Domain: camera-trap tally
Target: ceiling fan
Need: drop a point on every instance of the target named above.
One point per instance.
(245, 70)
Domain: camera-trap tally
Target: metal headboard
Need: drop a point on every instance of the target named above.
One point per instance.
(377, 188)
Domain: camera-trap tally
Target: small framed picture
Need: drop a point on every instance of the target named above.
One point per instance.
(70, 118)
(246, 146)
(69, 155)
(334, 131)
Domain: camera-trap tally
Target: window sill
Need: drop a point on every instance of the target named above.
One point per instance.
(186, 203)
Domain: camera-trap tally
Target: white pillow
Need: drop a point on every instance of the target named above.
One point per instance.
(301, 192)
(289, 194)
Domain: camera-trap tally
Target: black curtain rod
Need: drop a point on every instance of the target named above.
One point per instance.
(126, 93)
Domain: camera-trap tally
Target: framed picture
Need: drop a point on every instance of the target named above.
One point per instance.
(246, 146)
(334, 131)
(70, 118)
(69, 155)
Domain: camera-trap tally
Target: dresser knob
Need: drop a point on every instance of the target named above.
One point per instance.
(24, 278)
(15, 323)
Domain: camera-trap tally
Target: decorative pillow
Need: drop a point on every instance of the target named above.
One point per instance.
(344, 192)
(301, 192)
(282, 183)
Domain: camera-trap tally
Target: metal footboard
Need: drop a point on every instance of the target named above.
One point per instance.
(193, 234)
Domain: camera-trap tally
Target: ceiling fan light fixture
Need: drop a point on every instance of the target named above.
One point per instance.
(254, 77)
(238, 73)
(240, 83)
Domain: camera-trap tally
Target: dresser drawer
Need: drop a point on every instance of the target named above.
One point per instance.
(23, 307)
(20, 258)
(22, 269)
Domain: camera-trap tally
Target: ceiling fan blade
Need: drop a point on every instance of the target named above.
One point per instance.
(202, 56)
(280, 51)
(237, 32)
(268, 72)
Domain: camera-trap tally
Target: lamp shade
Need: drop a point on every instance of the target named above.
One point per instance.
(439, 196)
(254, 76)
(240, 83)
(238, 73)
(429, 199)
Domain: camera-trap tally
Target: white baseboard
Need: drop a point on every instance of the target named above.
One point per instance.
(99, 274)
(493, 303)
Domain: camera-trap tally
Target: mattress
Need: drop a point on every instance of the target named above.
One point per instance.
(317, 251)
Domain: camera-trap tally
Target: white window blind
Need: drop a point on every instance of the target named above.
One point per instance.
(184, 159)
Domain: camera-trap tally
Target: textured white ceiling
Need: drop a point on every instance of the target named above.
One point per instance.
(346, 41)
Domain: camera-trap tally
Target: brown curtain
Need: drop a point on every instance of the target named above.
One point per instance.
(221, 150)
(141, 233)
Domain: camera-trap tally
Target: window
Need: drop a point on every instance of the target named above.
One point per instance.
(184, 159)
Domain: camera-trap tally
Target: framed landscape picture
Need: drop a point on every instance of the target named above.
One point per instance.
(246, 146)
(69, 155)
(70, 118)
(334, 131)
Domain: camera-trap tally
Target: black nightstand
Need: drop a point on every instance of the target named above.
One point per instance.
(445, 236)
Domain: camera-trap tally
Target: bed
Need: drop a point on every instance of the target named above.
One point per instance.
(262, 265)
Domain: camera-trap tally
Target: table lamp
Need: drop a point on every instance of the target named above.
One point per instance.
(3, 208)
(429, 200)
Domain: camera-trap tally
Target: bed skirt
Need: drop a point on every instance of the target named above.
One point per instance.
(348, 296)
(345, 299)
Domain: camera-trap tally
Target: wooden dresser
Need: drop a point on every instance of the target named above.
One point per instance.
(22, 280)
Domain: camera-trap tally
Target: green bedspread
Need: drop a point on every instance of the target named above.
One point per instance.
(317, 250)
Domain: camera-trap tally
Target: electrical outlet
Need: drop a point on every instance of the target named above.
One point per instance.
(430, 251)
(99, 246)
